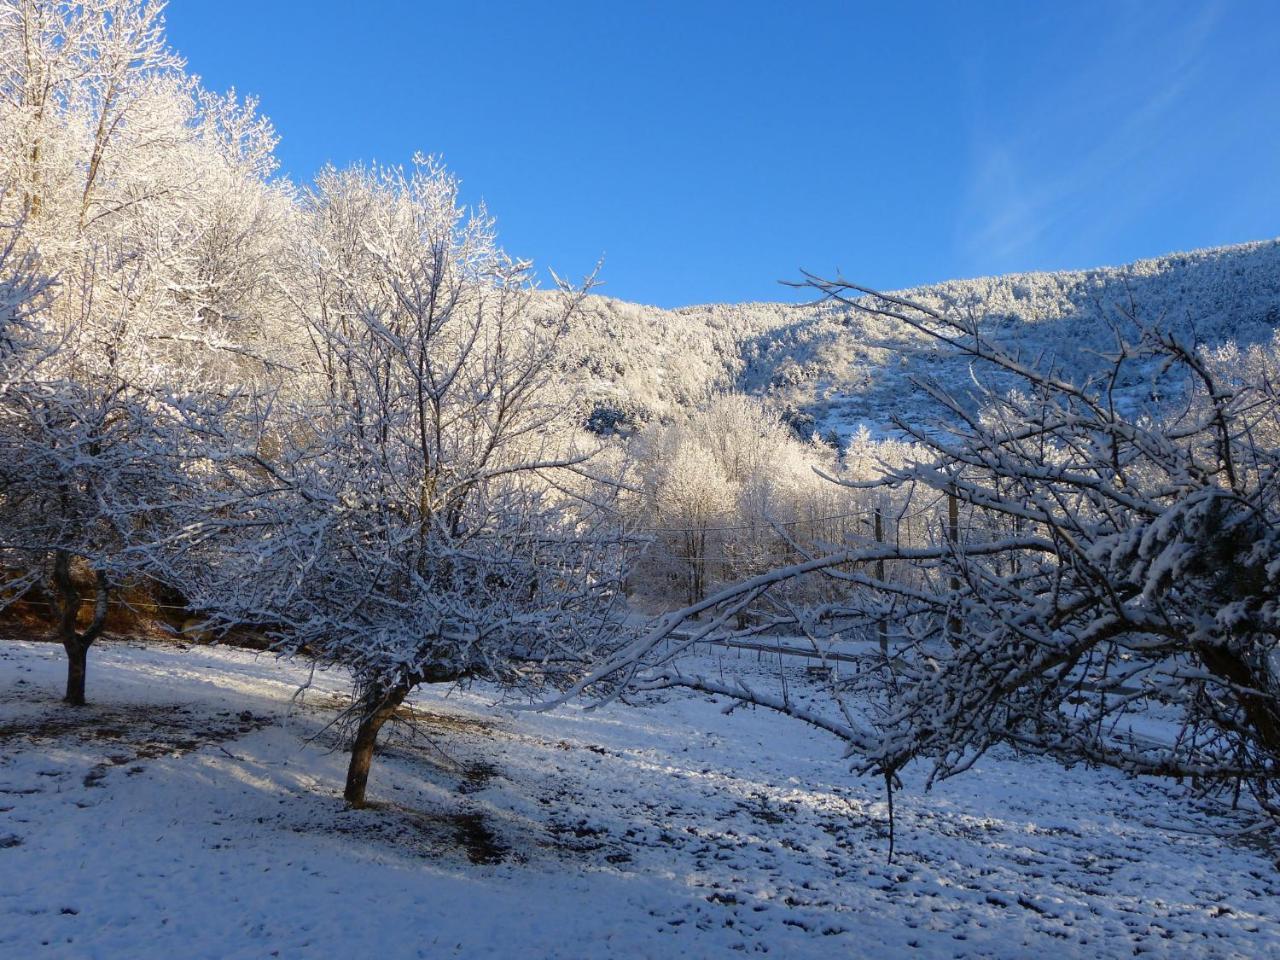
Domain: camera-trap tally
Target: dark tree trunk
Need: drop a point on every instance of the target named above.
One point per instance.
(1260, 711)
(77, 643)
(77, 663)
(379, 708)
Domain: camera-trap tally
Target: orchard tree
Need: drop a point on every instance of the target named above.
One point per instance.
(1105, 557)
(94, 476)
(413, 530)
(92, 484)
(150, 200)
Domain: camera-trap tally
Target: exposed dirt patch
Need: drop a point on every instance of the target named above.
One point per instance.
(762, 811)
(481, 843)
(132, 733)
(156, 729)
(427, 834)
(476, 777)
(577, 837)
(452, 723)
(464, 775)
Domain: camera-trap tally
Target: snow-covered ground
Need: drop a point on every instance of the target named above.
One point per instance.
(193, 810)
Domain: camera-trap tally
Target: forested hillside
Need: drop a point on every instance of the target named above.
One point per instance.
(833, 368)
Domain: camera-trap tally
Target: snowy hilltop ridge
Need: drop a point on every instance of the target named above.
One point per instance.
(834, 367)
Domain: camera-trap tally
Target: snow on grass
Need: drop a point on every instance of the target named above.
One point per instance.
(194, 809)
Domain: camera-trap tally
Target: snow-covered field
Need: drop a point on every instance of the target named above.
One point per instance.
(193, 810)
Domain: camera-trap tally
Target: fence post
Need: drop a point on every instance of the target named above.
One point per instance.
(953, 536)
(1017, 555)
(882, 627)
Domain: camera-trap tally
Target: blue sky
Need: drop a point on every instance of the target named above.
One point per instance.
(709, 149)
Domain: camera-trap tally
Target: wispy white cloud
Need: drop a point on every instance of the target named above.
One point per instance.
(1094, 149)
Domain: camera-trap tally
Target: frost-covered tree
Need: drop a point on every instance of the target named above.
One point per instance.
(730, 491)
(149, 199)
(77, 81)
(25, 293)
(692, 503)
(140, 189)
(1103, 589)
(97, 476)
(413, 529)
(1114, 559)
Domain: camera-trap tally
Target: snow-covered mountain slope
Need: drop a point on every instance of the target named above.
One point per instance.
(836, 367)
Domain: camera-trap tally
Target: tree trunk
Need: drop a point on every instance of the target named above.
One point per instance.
(1260, 710)
(77, 664)
(379, 709)
(76, 643)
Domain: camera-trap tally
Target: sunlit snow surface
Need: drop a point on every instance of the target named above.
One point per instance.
(194, 811)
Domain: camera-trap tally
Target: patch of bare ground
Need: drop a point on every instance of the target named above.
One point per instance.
(130, 735)
(429, 834)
